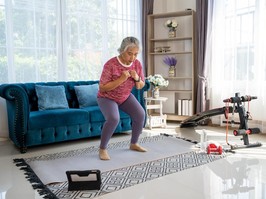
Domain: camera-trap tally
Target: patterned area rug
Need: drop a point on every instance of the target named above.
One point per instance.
(120, 178)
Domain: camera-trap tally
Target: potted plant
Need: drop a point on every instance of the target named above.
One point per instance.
(157, 81)
(172, 25)
(171, 63)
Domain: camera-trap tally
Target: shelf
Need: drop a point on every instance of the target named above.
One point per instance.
(155, 104)
(182, 87)
(177, 78)
(171, 39)
(169, 53)
(172, 14)
(173, 117)
(177, 91)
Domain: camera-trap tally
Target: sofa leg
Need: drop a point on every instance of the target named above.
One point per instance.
(23, 149)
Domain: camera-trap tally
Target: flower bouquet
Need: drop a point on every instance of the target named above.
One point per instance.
(172, 25)
(171, 62)
(157, 81)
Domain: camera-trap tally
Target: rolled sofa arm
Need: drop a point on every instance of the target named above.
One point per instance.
(144, 89)
(139, 94)
(17, 103)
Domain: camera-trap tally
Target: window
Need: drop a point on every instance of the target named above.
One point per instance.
(239, 39)
(237, 61)
(53, 40)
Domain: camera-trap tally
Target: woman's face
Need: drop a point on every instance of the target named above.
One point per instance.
(130, 55)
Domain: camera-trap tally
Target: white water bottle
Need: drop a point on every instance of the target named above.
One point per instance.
(203, 139)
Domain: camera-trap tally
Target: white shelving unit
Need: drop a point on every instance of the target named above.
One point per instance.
(155, 104)
(182, 86)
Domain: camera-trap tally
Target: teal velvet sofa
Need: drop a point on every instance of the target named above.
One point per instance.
(29, 126)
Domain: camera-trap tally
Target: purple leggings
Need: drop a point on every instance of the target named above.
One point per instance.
(110, 110)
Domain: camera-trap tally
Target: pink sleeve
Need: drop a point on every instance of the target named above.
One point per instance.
(106, 75)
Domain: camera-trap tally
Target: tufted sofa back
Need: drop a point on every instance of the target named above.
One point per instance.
(69, 89)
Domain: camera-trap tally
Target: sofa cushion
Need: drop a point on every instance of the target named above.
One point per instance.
(57, 117)
(97, 116)
(87, 95)
(51, 97)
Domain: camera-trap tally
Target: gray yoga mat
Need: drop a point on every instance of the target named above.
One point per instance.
(51, 168)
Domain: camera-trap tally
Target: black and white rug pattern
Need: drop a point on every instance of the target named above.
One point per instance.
(129, 176)
(119, 178)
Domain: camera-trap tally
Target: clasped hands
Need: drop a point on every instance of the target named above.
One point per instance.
(129, 73)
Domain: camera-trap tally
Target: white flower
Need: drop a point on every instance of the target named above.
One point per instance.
(157, 80)
(174, 24)
(168, 22)
(171, 24)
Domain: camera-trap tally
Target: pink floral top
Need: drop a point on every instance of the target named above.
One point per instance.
(112, 70)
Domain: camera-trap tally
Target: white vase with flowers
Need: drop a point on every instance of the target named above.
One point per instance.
(172, 25)
(157, 82)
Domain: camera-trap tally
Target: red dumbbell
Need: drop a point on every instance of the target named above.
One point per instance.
(213, 148)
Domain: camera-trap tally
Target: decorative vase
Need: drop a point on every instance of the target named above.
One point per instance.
(171, 72)
(156, 93)
(172, 33)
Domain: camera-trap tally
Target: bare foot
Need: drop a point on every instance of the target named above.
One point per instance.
(136, 147)
(103, 154)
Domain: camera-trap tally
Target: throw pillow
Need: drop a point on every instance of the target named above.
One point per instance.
(51, 97)
(87, 95)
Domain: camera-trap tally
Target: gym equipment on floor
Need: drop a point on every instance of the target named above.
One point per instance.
(237, 107)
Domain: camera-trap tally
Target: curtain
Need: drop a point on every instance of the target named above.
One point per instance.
(147, 8)
(236, 56)
(201, 27)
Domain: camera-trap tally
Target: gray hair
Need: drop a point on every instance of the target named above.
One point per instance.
(128, 42)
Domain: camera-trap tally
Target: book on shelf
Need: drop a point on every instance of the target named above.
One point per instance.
(179, 107)
(190, 108)
(184, 107)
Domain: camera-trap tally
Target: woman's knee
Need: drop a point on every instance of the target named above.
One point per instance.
(114, 120)
(140, 115)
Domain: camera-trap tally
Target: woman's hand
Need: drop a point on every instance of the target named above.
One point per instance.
(134, 75)
(138, 81)
(125, 75)
(115, 83)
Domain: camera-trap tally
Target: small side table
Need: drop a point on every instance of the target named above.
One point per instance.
(155, 120)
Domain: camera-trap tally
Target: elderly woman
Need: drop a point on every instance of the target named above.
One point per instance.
(120, 74)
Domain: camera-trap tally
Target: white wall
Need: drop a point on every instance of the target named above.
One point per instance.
(162, 6)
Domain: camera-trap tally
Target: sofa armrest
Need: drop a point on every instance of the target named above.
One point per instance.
(147, 85)
(144, 89)
(18, 112)
(139, 93)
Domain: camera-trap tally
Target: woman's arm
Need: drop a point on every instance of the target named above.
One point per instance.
(139, 83)
(115, 83)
